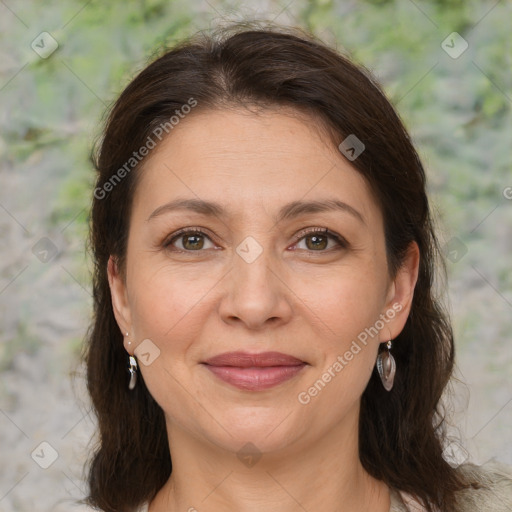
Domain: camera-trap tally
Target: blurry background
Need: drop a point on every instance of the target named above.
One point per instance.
(62, 64)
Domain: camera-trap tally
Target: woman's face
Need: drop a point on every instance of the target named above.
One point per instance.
(258, 278)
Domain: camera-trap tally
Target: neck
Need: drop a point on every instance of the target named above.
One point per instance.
(326, 475)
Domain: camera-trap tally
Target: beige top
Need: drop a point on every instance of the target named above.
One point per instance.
(495, 497)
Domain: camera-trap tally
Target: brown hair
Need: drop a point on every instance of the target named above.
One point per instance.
(401, 431)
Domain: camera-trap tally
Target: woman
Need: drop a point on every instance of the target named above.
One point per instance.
(266, 334)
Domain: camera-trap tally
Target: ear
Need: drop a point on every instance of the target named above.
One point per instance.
(120, 303)
(400, 294)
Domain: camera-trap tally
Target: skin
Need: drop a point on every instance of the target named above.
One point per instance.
(310, 301)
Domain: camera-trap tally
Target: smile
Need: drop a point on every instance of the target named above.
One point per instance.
(255, 378)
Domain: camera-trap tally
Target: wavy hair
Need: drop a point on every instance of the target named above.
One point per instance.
(401, 432)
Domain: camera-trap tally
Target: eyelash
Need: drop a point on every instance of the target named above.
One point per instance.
(298, 237)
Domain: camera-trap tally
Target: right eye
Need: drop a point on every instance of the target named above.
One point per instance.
(191, 240)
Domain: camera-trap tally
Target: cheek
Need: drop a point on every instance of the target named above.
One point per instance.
(167, 309)
(343, 302)
(166, 301)
(348, 353)
(346, 307)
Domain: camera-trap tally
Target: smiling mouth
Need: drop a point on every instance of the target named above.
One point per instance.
(254, 372)
(255, 378)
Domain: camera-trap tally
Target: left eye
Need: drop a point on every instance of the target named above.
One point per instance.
(318, 240)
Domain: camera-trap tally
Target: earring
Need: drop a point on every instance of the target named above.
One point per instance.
(129, 342)
(133, 372)
(386, 367)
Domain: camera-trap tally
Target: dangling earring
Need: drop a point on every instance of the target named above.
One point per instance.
(129, 342)
(386, 366)
(133, 372)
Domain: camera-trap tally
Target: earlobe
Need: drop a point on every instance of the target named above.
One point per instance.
(118, 293)
(402, 292)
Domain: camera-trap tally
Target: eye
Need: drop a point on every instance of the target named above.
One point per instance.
(317, 239)
(190, 239)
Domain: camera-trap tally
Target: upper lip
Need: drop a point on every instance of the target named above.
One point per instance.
(246, 359)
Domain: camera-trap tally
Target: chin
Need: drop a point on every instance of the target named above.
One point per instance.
(267, 428)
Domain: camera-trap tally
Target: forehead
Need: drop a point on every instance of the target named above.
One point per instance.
(249, 160)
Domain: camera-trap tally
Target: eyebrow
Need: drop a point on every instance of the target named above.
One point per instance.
(287, 212)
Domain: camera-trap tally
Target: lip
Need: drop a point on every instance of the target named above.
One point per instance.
(254, 372)
(246, 359)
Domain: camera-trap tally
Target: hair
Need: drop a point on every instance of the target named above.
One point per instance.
(401, 432)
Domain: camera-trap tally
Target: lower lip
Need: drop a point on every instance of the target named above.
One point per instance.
(255, 378)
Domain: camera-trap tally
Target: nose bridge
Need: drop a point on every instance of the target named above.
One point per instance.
(255, 293)
(252, 265)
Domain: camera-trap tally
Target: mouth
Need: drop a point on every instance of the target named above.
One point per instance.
(254, 372)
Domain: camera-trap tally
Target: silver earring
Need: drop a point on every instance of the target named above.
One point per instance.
(129, 342)
(133, 372)
(386, 367)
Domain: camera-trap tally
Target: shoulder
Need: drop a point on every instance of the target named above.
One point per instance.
(493, 492)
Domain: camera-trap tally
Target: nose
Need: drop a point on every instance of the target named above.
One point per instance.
(256, 294)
